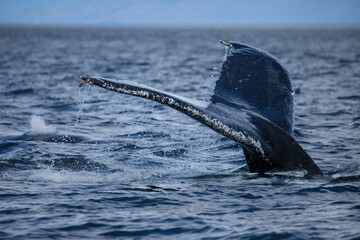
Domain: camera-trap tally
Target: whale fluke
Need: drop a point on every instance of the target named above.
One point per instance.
(252, 104)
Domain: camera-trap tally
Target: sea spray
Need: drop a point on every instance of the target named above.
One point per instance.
(38, 126)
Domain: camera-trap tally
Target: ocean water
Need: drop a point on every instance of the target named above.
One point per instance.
(92, 164)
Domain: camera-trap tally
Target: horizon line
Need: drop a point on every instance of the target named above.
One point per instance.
(248, 25)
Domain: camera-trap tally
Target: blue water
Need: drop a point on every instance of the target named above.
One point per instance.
(92, 164)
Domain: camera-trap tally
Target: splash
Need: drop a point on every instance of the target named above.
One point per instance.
(49, 174)
(38, 127)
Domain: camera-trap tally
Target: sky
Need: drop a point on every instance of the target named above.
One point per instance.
(180, 12)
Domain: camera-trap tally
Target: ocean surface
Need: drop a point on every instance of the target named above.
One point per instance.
(86, 163)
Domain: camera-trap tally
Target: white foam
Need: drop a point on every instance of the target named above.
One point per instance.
(66, 176)
(38, 126)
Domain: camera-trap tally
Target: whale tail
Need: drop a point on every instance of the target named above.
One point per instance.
(252, 104)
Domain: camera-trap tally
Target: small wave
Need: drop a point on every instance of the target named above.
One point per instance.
(171, 153)
(8, 147)
(17, 164)
(229, 146)
(126, 147)
(149, 232)
(146, 134)
(351, 97)
(82, 226)
(20, 91)
(44, 137)
(346, 173)
(75, 163)
(63, 139)
(347, 60)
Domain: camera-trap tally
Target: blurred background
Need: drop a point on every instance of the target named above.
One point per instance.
(180, 12)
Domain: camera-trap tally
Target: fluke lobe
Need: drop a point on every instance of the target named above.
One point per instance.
(252, 104)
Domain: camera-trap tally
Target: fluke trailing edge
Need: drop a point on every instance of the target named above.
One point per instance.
(252, 104)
